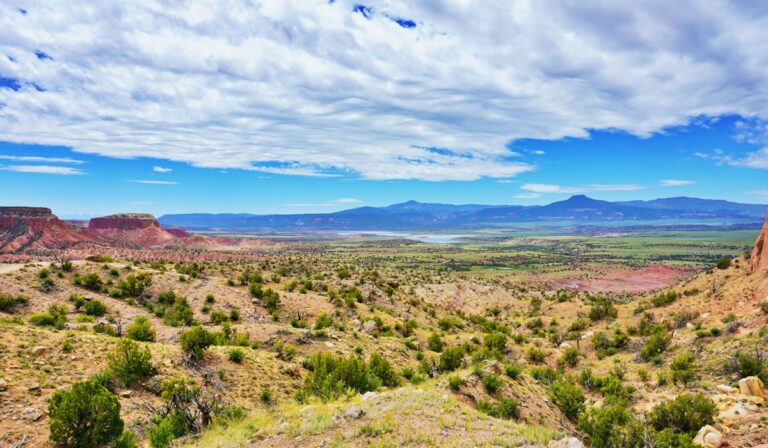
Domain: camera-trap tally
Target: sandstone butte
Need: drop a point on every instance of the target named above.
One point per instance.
(759, 258)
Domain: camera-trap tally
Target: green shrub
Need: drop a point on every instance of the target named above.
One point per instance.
(383, 370)
(513, 370)
(491, 383)
(665, 298)
(451, 359)
(236, 355)
(141, 330)
(435, 343)
(9, 303)
(684, 368)
(130, 362)
(745, 364)
(602, 309)
(161, 433)
(506, 408)
(323, 321)
(331, 376)
(604, 426)
(55, 317)
(570, 357)
(544, 375)
(85, 416)
(195, 340)
(454, 382)
(90, 281)
(569, 398)
(218, 317)
(496, 342)
(166, 297)
(535, 354)
(656, 344)
(724, 263)
(606, 345)
(127, 440)
(685, 413)
(234, 314)
(134, 285)
(94, 308)
(180, 314)
(764, 306)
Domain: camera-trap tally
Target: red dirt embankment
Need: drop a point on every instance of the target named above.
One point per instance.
(656, 276)
(759, 258)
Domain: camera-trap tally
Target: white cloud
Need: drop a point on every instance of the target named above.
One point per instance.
(538, 152)
(313, 88)
(36, 159)
(676, 182)
(528, 195)
(154, 182)
(348, 201)
(44, 169)
(591, 188)
(756, 159)
(160, 169)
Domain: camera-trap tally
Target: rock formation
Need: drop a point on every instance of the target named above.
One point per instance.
(759, 258)
(35, 228)
(131, 229)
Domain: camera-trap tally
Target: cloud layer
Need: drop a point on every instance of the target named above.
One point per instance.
(432, 90)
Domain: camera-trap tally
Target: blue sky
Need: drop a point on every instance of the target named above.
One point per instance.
(703, 160)
(282, 106)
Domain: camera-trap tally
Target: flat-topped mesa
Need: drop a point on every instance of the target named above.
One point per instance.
(124, 221)
(759, 258)
(11, 216)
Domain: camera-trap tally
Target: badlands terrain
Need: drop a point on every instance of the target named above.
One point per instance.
(121, 332)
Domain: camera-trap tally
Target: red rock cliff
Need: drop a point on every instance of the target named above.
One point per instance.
(32, 216)
(759, 258)
(125, 221)
(33, 228)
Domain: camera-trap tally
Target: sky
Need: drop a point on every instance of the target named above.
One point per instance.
(287, 106)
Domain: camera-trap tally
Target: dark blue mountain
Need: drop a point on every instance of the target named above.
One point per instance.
(413, 215)
(696, 207)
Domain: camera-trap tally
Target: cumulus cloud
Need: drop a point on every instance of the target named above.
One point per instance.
(154, 182)
(397, 90)
(44, 169)
(756, 159)
(676, 182)
(160, 169)
(591, 188)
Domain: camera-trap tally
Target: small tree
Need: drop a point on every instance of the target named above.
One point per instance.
(129, 362)
(569, 398)
(195, 340)
(141, 330)
(84, 416)
(685, 413)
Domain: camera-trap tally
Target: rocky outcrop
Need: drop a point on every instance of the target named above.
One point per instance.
(24, 229)
(709, 437)
(124, 221)
(759, 258)
(131, 229)
(752, 386)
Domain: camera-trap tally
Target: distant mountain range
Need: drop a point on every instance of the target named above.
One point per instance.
(413, 215)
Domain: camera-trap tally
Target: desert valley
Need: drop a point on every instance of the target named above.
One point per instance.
(582, 336)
